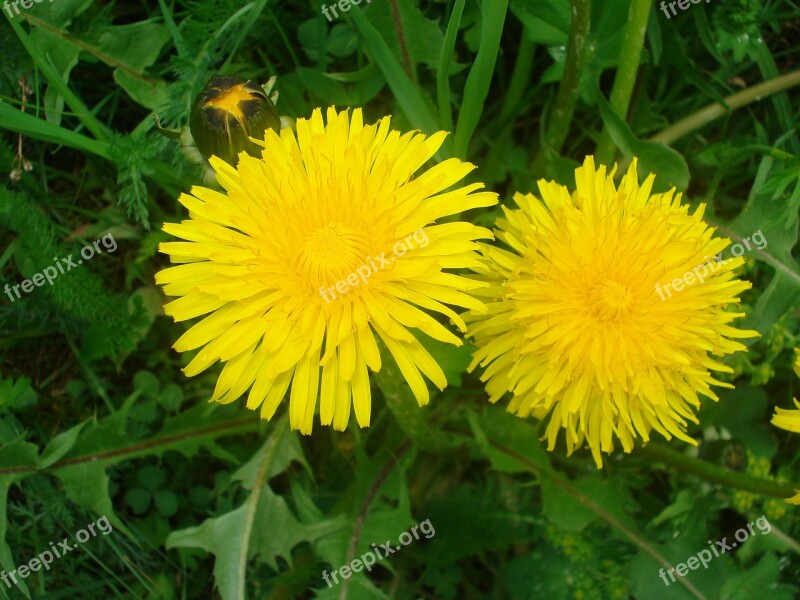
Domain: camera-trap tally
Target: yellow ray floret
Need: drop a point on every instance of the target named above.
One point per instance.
(313, 252)
(606, 311)
(790, 419)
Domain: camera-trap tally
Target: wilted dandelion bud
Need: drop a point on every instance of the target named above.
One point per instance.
(226, 114)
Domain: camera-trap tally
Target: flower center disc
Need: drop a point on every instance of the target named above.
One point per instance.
(610, 300)
(329, 254)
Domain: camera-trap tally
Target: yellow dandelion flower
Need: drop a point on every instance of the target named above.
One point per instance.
(606, 311)
(311, 250)
(789, 419)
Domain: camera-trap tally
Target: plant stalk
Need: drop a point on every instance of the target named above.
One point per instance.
(713, 473)
(627, 69)
(713, 111)
(561, 116)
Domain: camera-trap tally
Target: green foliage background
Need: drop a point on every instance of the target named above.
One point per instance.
(208, 502)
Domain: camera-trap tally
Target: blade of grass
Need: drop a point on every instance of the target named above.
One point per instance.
(28, 125)
(713, 111)
(258, 8)
(177, 38)
(520, 80)
(445, 59)
(97, 129)
(408, 95)
(33, 127)
(479, 80)
(783, 107)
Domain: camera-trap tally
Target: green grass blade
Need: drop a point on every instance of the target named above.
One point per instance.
(408, 95)
(479, 79)
(443, 77)
(44, 64)
(30, 126)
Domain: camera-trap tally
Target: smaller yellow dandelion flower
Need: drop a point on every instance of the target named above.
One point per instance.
(789, 419)
(607, 311)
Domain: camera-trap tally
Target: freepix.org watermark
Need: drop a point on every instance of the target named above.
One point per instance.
(45, 559)
(682, 4)
(344, 6)
(367, 560)
(49, 274)
(365, 271)
(719, 547)
(700, 272)
(15, 4)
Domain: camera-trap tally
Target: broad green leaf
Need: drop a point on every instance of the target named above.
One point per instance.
(648, 584)
(668, 165)
(570, 512)
(547, 22)
(60, 445)
(387, 516)
(414, 420)
(63, 57)
(743, 412)
(774, 213)
(331, 92)
(58, 13)
(359, 588)
(262, 527)
(493, 526)
(539, 574)
(453, 360)
(16, 395)
(415, 105)
(289, 450)
(150, 93)
(544, 22)
(509, 442)
(18, 453)
(757, 581)
(86, 484)
(423, 37)
(129, 49)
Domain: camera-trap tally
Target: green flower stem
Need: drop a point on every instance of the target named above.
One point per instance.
(627, 69)
(713, 473)
(561, 116)
(713, 111)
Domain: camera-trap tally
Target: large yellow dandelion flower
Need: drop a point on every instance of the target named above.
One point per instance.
(606, 311)
(789, 419)
(314, 248)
